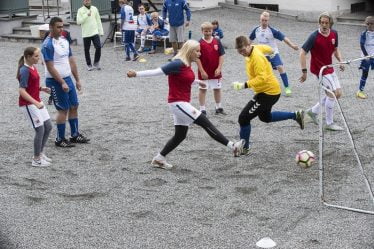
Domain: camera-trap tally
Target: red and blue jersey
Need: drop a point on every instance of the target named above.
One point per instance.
(321, 48)
(180, 78)
(30, 80)
(210, 53)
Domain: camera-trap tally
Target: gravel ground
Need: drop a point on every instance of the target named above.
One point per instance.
(106, 195)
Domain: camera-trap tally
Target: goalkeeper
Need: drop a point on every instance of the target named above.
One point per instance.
(265, 86)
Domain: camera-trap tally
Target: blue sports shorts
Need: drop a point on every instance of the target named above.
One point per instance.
(63, 100)
(275, 61)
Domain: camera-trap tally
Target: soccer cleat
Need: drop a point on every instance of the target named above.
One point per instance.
(238, 147)
(312, 116)
(288, 91)
(204, 112)
(43, 156)
(361, 95)
(136, 57)
(97, 66)
(40, 163)
(300, 118)
(64, 143)
(159, 161)
(333, 127)
(128, 59)
(90, 68)
(80, 139)
(220, 111)
(245, 152)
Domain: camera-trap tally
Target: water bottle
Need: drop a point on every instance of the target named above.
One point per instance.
(189, 35)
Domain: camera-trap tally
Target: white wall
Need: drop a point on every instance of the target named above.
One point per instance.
(204, 3)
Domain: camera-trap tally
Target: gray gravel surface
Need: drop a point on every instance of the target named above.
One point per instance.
(106, 195)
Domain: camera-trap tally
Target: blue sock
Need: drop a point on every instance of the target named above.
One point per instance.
(127, 49)
(74, 127)
(60, 131)
(132, 48)
(284, 79)
(279, 116)
(363, 80)
(245, 133)
(154, 45)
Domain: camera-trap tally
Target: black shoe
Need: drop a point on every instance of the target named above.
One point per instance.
(128, 59)
(220, 111)
(64, 143)
(300, 118)
(136, 57)
(50, 100)
(203, 112)
(80, 139)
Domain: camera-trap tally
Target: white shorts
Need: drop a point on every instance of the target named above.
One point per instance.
(35, 116)
(212, 84)
(183, 113)
(331, 81)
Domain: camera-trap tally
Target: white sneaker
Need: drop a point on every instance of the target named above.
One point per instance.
(140, 50)
(40, 163)
(90, 68)
(159, 161)
(238, 147)
(97, 66)
(46, 158)
(333, 127)
(313, 116)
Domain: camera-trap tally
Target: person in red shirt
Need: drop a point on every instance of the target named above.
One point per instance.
(180, 78)
(210, 66)
(31, 104)
(322, 44)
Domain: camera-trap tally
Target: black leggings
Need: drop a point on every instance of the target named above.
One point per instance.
(181, 132)
(87, 44)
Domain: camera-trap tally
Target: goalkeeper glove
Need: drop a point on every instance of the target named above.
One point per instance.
(238, 85)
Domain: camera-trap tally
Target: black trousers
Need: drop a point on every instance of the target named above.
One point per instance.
(87, 44)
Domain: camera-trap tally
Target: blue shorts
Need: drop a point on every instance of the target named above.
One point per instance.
(275, 61)
(128, 36)
(366, 65)
(63, 100)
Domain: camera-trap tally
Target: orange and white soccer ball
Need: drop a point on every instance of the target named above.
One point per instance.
(305, 158)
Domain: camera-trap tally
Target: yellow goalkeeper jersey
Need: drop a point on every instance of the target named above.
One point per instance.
(260, 73)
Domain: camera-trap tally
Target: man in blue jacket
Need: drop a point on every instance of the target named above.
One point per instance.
(175, 10)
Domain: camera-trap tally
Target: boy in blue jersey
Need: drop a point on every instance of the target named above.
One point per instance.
(367, 48)
(175, 10)
(128, 26)
(268, 35)
(60, 64)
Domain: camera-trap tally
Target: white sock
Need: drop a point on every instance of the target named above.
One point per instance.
(315, 108)
(202, 108)
(230, 145)
(218, 105)
(329, 108)
(142, 41)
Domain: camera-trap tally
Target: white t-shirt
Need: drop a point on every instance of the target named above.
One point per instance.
(127, 15)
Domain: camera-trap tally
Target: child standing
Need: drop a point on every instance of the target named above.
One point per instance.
(265, 85)
(217, 31)
(144, 22)
(128, 29)
(210, 66)
(367, 48)
(31, 104)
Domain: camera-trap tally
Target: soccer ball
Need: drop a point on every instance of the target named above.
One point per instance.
(305, 158)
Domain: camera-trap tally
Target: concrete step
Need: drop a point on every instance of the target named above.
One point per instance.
(351, 20)
(22, 31)
(36, 22)
(21, 38)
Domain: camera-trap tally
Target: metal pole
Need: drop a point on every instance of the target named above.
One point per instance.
(43, 10)
(58, 9)
(48, 9)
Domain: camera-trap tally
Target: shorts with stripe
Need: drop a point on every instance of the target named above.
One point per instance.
(275, 61)
(212, 84)
(331, 81)
(260, 106)
(183, 113)
(35, 116)
(63, 100)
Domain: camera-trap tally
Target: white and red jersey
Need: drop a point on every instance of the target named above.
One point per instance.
(30, 80)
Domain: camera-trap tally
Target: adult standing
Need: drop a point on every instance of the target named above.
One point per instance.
(268, 35)
(59, 66)
(89, 18)
(175, 10)
(322, 44)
